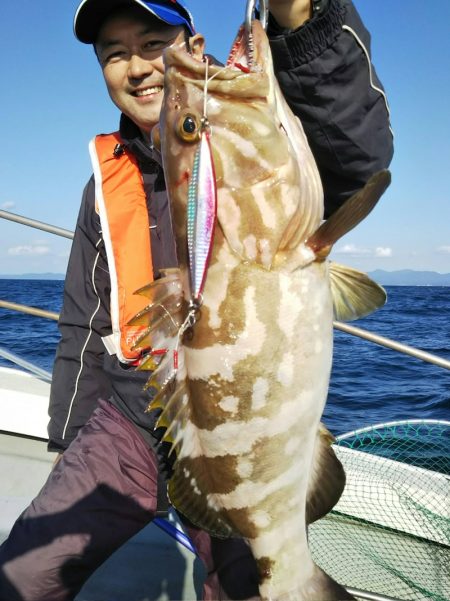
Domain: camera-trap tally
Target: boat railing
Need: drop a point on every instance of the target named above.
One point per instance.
(343, 327)
(38, 225)
(30, 367)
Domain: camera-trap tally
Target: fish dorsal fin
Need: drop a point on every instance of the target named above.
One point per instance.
(352, 212)
(162, 317)
(192, 470)
(354, 294)
(169, 394)
(168, 286)
(161, 320)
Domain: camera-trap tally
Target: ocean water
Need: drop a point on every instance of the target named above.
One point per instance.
(369, 384)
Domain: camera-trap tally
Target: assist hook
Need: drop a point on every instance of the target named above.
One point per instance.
(250, 11)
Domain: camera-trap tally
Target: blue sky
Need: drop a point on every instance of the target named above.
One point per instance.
(53, 101)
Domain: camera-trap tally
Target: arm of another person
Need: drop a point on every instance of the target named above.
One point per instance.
(290, 14)
(78, 377)
(324, 69)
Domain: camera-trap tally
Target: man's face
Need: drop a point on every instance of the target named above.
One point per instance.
(129, 47)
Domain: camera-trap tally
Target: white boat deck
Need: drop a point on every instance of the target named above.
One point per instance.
(23, 403)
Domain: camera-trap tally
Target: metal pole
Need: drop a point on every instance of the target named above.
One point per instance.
(360, 333)
(29, 310)
(41, 373)
(370, 336)
(39, 225)
(394, 424)
(370, 596)
(392, 344)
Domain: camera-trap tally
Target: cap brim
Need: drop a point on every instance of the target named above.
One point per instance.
(91, 14)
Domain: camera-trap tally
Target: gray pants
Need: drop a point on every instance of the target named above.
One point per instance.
(101, 493)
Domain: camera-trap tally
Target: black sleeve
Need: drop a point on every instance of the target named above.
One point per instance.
(325, 72)
(78, 377)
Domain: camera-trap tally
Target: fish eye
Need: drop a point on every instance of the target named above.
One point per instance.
(189, 125)
(189, 128)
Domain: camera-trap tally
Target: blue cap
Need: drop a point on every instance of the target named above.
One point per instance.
(91, 14)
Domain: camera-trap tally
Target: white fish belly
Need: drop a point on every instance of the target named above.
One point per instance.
(260, 378)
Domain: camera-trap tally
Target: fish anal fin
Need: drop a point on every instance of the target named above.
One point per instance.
(187, 494)
(327, 479)
(354, 294)
(352, 212)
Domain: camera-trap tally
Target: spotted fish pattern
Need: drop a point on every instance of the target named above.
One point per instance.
(242, 403)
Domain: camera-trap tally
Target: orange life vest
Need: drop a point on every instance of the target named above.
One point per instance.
(122, 206)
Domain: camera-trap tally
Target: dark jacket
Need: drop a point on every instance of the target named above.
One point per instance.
(327, 79)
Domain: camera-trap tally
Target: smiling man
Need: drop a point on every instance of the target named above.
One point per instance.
(130, 54)
(105, 487)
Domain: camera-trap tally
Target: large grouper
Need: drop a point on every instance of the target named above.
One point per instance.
(241, 334)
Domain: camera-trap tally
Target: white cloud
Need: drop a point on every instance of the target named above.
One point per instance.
(383, 252)
(351, 249)
(444, 249)
(29, 250)
(8, 205)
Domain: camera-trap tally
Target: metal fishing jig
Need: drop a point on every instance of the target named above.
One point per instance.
(201, 211)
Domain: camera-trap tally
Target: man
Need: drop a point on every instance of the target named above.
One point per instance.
(105, 487)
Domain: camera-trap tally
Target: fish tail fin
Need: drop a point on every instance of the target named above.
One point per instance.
(327, 478)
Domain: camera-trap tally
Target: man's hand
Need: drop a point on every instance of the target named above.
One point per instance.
(291, 13)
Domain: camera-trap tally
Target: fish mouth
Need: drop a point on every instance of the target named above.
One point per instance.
(248, 50)
(248, 55)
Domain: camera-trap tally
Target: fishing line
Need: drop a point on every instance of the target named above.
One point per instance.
(169, 315)
(205, 87)
(205, 90)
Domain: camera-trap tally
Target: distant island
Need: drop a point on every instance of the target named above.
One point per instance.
(409, 277)
(34, 276)
(404, 277)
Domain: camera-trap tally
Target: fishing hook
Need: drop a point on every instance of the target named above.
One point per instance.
(250, 11)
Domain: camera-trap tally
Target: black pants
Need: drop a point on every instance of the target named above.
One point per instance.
(101, 493)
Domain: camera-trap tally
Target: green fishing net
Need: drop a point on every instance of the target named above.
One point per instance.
(390, 532)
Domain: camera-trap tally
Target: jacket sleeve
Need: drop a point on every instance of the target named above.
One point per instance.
(78, 377)
(325, 72)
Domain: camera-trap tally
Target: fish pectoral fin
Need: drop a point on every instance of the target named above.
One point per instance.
(352, 212)
(354, 294)
(327, 479)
